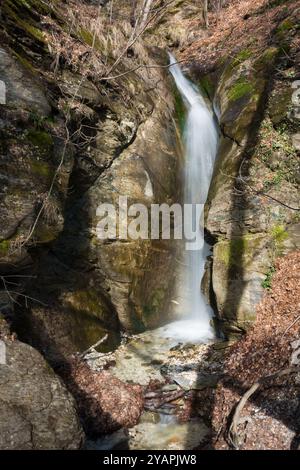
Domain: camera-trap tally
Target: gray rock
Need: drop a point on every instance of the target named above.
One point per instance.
(296, 141)
(22, 88)
(37, 412)
(169, 388)
(193, 380)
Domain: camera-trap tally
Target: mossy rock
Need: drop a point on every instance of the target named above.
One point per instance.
(87, 331)
(41, 139)
(89, 302)
(89, 38)
(45, 233)
(238, 267)
(155, 303)
(239, 89)
(266, 60)
(285, 26)
(22, 14)
(279, 105)
(241, 57)
(42, 170)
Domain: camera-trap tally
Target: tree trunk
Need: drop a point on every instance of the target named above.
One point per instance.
(132, 14)
(205, 12)
(146, 8)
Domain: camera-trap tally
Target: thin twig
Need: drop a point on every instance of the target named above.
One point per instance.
(94, 346)
(290, 326)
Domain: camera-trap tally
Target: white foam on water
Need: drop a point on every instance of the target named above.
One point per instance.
(201, 143)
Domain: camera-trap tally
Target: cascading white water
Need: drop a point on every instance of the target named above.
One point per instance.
(201, 141)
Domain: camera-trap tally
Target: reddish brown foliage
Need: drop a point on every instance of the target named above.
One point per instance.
(263, 351)
(105, 403)
(232, 30)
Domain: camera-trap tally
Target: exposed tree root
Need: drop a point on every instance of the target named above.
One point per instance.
(233, 435)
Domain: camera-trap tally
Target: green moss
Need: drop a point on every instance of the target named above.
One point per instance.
(241, 88)
(45, 234)
(88, 37)
(39, 6)
(283, 34)
(12, 11)
(279, 233)
(180, 111)
(23, 12)
(286, 25)
(88, 302)
(207, 86)
(267, 282)
(241, 57)
(87, 330)
(40, 139)
(231, 252)
(41, 169)
(238, 250)
(25, 63)
(4, 247)
(155, 304)
(267, 58)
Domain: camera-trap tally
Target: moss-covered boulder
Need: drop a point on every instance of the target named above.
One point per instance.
(238, 272)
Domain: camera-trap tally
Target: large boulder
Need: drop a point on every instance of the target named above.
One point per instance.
(37, 412)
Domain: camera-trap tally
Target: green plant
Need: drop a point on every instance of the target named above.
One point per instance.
(267, 282)
(278, 233)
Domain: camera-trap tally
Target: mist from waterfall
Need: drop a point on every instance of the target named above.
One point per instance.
(200, 143)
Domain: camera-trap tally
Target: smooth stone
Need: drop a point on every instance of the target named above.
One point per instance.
(169, 388)
(193, 380)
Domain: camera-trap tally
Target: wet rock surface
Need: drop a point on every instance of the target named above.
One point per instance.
(68, 144)
(170, 375)
(182, 436)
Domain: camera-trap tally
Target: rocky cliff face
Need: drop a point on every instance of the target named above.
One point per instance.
(86, 116)
(80, 134)
(253, 206)
(71, 141)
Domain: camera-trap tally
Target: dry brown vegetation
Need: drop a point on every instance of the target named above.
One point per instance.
(232, 29)
(266, 349)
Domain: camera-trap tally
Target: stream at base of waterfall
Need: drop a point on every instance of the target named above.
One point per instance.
(182, 357)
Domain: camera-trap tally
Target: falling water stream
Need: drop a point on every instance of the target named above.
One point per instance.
(200, 141)
(194, 326)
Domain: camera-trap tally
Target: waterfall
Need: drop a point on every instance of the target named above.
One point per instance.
(200, 142)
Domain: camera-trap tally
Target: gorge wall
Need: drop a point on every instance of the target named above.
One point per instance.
(88, 113)
(71, 141)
